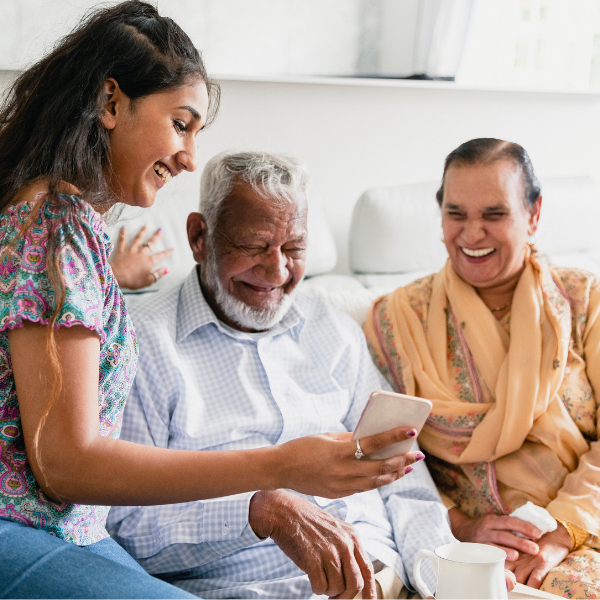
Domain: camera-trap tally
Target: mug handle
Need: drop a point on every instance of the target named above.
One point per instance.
(422, 587)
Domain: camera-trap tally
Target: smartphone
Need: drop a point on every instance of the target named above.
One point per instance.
(388, 410)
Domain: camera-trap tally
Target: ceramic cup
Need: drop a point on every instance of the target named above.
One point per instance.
(465, 571)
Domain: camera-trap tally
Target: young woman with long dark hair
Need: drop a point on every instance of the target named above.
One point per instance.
(110, 115)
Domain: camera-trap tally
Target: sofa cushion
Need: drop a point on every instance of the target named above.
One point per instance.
(383, 283)
(397, 230)
(342, 292)
(570, 217)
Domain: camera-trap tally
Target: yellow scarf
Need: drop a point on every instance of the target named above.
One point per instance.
(525, 438)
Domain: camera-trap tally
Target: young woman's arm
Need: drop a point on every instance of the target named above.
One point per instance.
(77, 465)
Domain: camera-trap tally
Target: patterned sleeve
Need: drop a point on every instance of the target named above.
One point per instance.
(81, 251)
(578, 500)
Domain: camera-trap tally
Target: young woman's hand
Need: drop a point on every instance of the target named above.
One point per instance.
(326, 465)
(134, 265)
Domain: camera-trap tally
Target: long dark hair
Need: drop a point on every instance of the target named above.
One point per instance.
(487, 150)
(50, 125)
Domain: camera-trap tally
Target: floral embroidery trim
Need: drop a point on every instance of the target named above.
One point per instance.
(386, 341)
(493, 488)
(462, 357)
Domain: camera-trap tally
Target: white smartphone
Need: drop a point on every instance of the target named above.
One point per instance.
(388, 410)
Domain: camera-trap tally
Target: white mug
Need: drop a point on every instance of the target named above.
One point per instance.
(465, 571)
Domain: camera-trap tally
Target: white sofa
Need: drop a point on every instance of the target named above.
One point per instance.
(394, 238)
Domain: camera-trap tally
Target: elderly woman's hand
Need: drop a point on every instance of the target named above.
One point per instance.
(496, 531)
(134, 265)
(553, 549)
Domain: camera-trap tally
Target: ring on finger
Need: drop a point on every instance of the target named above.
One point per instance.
(156, 276)
(147, 245)
(359, 453)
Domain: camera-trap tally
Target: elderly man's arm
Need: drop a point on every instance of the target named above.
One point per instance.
(326, 548)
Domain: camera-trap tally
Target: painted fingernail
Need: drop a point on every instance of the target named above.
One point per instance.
(122, 227)
(159, 230)
(411, 433)
(166, 270)
(420, 456)
(408, 470)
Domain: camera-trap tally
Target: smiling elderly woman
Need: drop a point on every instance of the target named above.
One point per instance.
(507, 348)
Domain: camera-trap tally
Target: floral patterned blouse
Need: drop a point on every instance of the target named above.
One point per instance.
(93, 299)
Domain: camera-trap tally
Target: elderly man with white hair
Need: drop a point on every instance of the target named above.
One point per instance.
(235, 358)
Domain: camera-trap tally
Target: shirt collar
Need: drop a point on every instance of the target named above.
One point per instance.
(194, 312)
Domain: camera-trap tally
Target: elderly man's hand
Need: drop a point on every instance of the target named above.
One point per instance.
(325, 548)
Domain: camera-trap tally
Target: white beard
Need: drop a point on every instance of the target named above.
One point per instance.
(238, 312)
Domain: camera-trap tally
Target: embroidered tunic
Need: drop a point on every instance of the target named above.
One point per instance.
(93, 299)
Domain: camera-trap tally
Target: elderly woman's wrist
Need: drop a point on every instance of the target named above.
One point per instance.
(577, 534)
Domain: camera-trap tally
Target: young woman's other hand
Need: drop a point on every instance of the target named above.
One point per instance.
(134, 266)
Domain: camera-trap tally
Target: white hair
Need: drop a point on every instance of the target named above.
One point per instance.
(275, 177)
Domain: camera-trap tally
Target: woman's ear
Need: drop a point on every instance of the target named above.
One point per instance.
(115, 102)
(534, 215)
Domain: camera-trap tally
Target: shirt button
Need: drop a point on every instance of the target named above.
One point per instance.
(225, 529)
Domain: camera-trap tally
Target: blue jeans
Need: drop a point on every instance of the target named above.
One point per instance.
(34, 564)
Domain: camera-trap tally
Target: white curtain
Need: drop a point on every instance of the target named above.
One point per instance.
(441, 33)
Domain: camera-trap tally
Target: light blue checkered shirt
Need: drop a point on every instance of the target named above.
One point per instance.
(201, 385)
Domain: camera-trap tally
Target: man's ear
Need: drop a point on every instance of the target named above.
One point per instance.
(115, 102)
(197, 232)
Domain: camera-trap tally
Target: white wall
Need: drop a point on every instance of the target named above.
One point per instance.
(263, 37)
(540, 44)
(356, 137)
